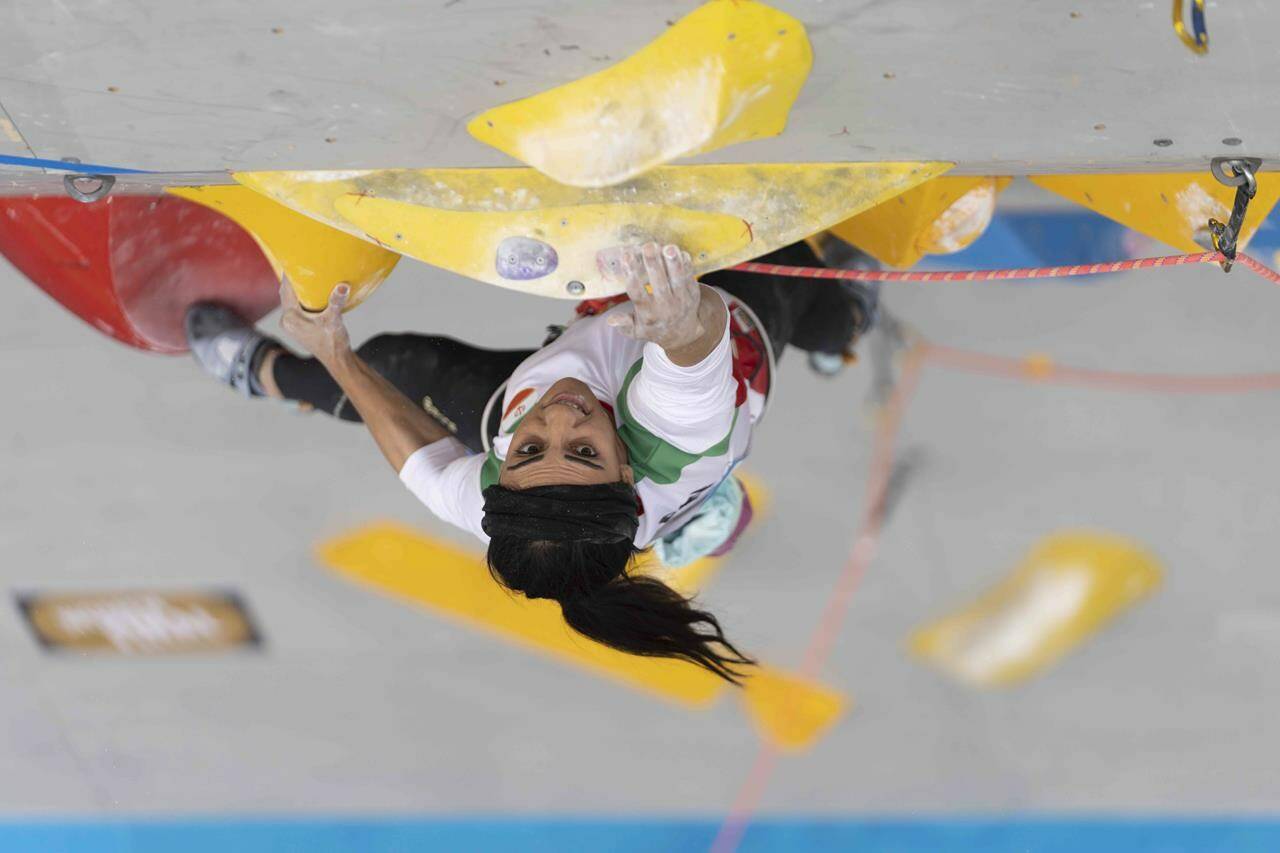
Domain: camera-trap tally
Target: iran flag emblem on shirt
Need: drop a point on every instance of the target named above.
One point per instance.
(520, 404)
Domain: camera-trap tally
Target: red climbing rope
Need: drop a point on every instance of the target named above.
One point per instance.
(865, 545)
(1260, 268)
(1034, 368)
(1004, 274)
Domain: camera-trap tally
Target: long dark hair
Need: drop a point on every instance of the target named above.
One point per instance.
(601, 600)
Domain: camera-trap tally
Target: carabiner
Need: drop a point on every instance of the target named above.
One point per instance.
(1198, 38)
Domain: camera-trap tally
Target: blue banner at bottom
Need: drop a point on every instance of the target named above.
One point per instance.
(402, 835)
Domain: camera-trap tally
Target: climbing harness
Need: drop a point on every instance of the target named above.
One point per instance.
(1243, 177)
(1198, 37)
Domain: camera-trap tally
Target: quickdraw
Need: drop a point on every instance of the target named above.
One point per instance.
(1244, 178)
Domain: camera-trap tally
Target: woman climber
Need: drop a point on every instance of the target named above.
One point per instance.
(618, 435)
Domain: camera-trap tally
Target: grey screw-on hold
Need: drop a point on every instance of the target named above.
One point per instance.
(576, 288)
(524, 259)
(97, 187)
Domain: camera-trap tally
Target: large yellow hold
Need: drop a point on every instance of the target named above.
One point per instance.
(517, 228)
(727, 72)
(1066, 590)
(564, 238)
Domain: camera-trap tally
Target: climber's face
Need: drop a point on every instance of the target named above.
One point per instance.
(567, 438)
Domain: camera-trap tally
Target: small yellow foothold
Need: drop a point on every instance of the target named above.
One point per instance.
(726, 72)
(1038, 365)
(1066, 590)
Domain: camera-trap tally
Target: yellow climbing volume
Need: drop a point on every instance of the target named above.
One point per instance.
(726, 72)
(1066, 590)
(787, 709)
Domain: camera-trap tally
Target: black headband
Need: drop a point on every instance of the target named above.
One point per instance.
(602, 513)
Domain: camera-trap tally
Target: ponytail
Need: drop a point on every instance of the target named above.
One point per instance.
(600, 600)
(644, 616)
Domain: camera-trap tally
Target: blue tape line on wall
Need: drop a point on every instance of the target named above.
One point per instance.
(64, 166)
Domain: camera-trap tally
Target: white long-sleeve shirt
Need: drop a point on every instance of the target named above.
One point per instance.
(684, 428)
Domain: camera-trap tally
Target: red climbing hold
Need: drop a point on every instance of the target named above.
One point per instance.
(131, 265)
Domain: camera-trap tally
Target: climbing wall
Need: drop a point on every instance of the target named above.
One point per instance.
(1002, 87)
(1028, 575)
(812, 123)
